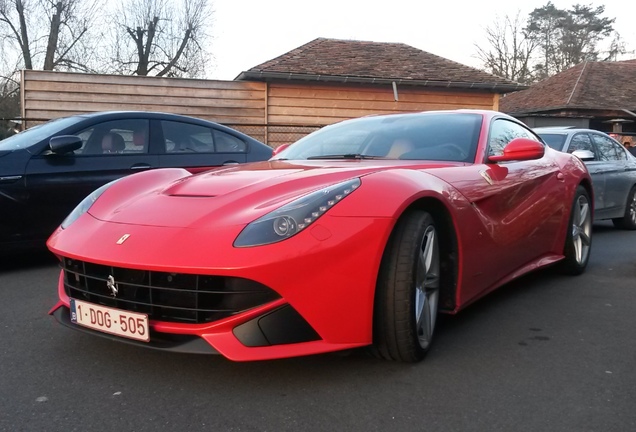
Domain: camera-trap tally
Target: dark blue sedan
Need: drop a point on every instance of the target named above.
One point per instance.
(47, 170)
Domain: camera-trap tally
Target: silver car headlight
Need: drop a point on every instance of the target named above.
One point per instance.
(295, 216)
(86, 204)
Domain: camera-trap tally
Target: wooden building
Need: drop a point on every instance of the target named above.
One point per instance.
(279, 101)
(595, 95)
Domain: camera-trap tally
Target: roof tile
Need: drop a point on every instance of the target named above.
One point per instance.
(363, 59)
(588, 85)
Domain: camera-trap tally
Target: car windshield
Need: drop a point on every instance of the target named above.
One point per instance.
(36, 134)
(553, 140)
(422, 136)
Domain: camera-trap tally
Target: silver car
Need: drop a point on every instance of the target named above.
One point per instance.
(612, 167)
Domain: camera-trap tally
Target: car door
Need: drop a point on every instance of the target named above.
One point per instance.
(596, 166)
(520, 204)
(197, 147)
(56, 183)
(613, 167)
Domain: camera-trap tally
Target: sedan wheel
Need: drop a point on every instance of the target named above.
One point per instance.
(407, 293)
(628, 221)
(578, 240)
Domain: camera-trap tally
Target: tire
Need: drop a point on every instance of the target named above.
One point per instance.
(578, 239)
(628, 221)
(407, 292)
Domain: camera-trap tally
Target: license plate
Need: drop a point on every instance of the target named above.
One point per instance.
(118, 322)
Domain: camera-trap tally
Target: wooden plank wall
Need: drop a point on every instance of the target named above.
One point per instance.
(274, 113)
(49, 95)
(321, 104)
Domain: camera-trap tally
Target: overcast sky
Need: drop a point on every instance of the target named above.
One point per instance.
(249, 32)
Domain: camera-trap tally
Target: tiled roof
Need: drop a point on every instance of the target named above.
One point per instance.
(588, 85)
(359, 61)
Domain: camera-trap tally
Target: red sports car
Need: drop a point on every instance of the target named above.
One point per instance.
(356, 235)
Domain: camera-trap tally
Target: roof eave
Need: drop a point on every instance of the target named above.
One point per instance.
(549, 110)
(269, 76)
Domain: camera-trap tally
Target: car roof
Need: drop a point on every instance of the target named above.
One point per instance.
(149, 114)
(156, 115)
(565, 129)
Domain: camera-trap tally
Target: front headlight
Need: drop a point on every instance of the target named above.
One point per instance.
(294, 217)
(85, 205)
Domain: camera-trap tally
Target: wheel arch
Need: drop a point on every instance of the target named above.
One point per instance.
(449, 248)
(587, 184)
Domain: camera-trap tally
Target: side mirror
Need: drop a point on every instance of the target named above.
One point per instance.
(584, 155)
(65, 144)
(280, 148)
(520, 149)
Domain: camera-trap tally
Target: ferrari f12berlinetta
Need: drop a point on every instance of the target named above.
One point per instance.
(356, 235)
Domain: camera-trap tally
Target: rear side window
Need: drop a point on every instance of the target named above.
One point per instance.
(190, 138)
(608, 149)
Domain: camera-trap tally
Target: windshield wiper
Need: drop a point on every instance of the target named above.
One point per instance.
(345, 156)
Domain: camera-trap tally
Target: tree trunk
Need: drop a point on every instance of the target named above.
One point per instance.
(51, 47)
(24, 36)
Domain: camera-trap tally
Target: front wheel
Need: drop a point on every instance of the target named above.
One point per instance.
(578, 240)
(628, 221)
(407, 293)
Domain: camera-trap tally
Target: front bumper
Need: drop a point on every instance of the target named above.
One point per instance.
(162, 341)
(325, 279)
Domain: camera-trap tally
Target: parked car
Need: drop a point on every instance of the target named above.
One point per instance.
(355, 235)
(47, 170)
(612, 167)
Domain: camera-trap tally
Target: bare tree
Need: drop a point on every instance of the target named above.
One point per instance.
(49, 31)
(509, 51)
(161, 37)
(616, 48)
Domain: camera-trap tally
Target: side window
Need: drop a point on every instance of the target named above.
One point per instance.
(581, 141)
(606, 148)
(115, 137)
(189, 138)
(226, 143)
(502, 132)
(622, 153)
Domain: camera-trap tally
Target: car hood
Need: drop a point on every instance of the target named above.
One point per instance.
(228, 196)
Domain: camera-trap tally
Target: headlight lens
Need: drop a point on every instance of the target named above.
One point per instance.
(85, 205)
(294, 217)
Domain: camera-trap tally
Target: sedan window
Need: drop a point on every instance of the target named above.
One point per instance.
(128, 136)
(37, 133)
(554, 140)
(606, 148)
(190, 138)
(581, 141)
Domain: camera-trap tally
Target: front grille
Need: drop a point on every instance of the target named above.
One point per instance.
(172, 297)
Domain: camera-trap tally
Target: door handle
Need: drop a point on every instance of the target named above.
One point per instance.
(10, 179)
(140, 167)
